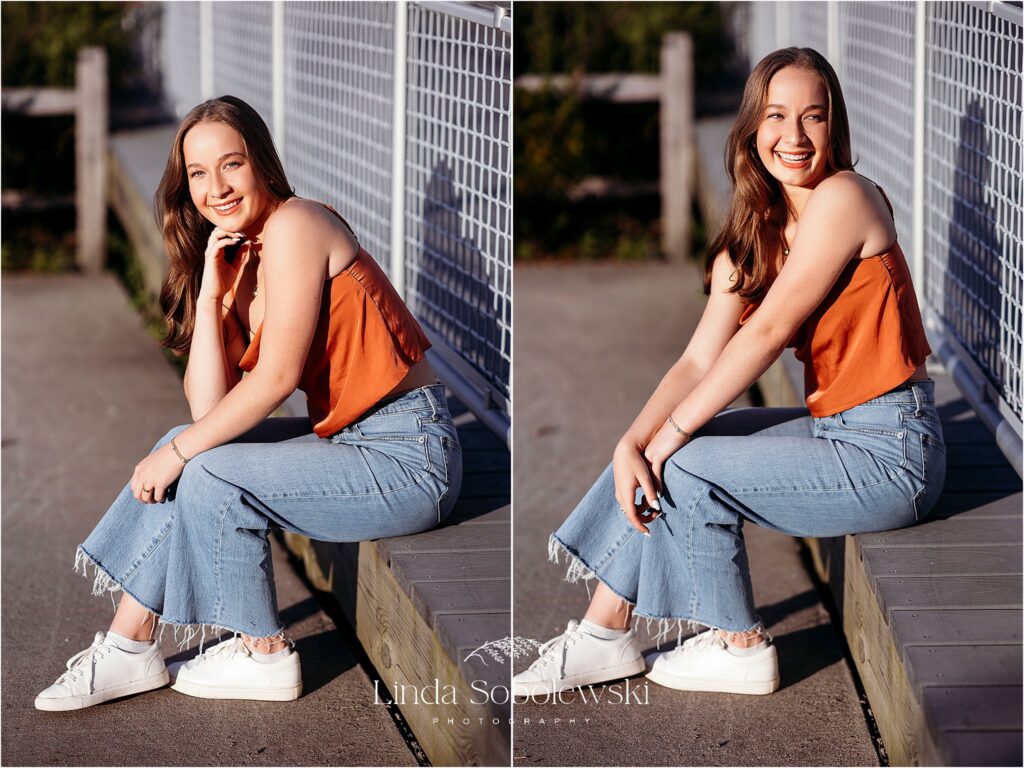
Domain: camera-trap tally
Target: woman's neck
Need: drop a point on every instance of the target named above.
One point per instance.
(254, 232)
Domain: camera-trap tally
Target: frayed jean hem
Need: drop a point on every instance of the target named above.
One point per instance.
(103, 582)
(578, 569)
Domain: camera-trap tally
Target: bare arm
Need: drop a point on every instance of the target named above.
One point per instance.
(835, 220)
(213, 360)
(831, 233)
(295, 264)
(717, 325)
(212, 364)
(296, 254)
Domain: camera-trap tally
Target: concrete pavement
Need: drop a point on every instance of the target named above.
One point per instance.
(591, 343)
(86, 393)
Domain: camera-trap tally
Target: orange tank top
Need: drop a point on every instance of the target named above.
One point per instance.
(365, 342)
(865, 338)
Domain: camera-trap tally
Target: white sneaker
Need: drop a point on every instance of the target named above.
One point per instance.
(576, 657)
(704, 663)
(228, 671)
(102, 672)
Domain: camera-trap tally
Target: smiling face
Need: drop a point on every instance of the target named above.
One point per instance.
(793, 135)
(221, 178)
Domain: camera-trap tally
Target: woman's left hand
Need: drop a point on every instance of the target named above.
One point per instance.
(154, 475)
(665, 442)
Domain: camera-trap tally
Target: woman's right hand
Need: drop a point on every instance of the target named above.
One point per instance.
(218, 274)
(630, 471)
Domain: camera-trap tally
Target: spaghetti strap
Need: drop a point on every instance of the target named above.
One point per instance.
(887, 203)
(330, 208)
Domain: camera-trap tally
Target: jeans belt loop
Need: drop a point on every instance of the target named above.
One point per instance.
(432, 400)
(917, 399)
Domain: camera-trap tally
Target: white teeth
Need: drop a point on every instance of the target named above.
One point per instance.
(223, 208)
(793, 158)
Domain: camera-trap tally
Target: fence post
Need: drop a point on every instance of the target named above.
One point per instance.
(91, 159)
(834, 53)
(206, 49)
(277, 79)
(677, 144)
(917, 191)
(397, 256)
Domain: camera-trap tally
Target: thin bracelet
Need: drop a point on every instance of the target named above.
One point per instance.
(679, 429)
(174, 445)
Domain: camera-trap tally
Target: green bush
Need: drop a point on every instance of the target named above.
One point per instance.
(40, 43)
(560, 140)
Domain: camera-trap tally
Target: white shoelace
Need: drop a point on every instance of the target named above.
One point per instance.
(702, 643)
(227, 648)
(554, 649)
(84, 663)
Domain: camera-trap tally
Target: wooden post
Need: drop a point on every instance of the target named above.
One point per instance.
(91, 158)
(678, 138)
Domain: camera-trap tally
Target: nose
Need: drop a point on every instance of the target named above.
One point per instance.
(219, 188)
(794, 133)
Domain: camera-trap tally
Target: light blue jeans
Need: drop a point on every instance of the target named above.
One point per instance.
(203, 557)
(875, 467)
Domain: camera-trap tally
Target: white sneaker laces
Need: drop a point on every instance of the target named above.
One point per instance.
(227, 648)
(554, 649)
(702, 643)
(83, 663)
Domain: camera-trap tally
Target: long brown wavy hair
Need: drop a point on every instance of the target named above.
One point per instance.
(752, 232)
(185, 230)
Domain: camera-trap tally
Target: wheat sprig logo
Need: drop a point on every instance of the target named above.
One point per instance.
(506, 649)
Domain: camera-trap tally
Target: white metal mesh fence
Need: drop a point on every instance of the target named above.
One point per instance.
(332, 75)
(968, 245)
(458, 210)
(180, 56)
(877, 74)
(973, 206)
(339, 68)
(243, 53)
(807, 24)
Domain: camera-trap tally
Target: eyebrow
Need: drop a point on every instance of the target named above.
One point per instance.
(783, 106)
(219, 159)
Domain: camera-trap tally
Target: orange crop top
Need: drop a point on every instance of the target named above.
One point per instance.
(365, 342)
(865, 337)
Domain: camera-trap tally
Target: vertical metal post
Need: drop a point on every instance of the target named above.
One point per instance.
(91, 159)
(917, 192)
(834, 51)
(206, 49)
(398, 148)
(782, 34)
(277, 78)
(678, 138)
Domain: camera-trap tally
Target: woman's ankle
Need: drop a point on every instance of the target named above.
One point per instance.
(742, 639)
(266, 645)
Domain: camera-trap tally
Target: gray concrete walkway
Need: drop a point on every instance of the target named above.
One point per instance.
(86, 393)
(591, 343)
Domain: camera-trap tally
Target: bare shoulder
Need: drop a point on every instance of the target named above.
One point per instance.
(297, 215)
(851, 201)
(321, 232)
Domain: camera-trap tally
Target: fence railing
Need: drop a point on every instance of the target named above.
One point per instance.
(87, 101)
(399, 114)
(673, 90)
(933, 91)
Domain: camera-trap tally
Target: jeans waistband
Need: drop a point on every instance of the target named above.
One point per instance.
(430, 398)
(915, 392)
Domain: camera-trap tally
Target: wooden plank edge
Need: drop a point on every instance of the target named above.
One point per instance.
(880, 665)
(461, 730)
(412, 656)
